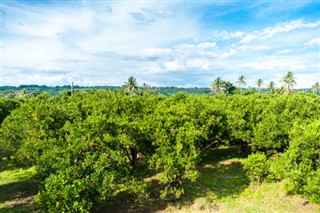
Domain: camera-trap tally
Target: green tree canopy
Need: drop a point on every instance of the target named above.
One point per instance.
(241, 82)
(289, 80)
(131, 86)
(217, 85)
(271, 86)
(259, 84)
(316, 88)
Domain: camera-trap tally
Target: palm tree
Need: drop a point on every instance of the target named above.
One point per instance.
(217, 85)
(283, 90)
(259, 84)
(288, 80)
(271, 87)
(241, 82)
(146, 88)
(316, 88)
(23, 93)
(131, 86)
(10, 94)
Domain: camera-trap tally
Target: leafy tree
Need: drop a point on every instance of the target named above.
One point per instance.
(6, 106)
(146, 88)
(217, 85)
(256, 167)
(289, 80)
(271, 134)
(85, 146)
(23, 93)
(243, 115)
(178, 140)
(316, 88)
(35, 93)
(10, 94)
(92, 145)
(271, 87)
(259, 84)
(229, 88)
(131, 86)
(282, 90)
(302, 160)
(241, 82)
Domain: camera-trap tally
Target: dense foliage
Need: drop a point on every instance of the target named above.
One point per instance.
(91, 146)
(6, 106)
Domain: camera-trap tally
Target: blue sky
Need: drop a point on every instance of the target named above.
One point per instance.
(167, 43)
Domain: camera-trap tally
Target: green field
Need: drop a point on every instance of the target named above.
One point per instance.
(220, 187)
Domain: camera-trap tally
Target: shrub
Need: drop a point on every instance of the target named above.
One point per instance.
(312, 188)
(256, 167)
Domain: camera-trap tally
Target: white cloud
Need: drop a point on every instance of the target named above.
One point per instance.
(306, 80)
(106, 42)
(284, 51)
(279, 28)
(156, 52)
(254, 47)
(237, 34)
(62, 36)
(228, 53)
(173, 65)
(198, 63)
(250, 37)
(40, 79)
(313, 42)
(227, 35)
(205, 45)
(281, 63)
(54, 22)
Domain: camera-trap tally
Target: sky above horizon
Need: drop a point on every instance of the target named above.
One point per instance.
(161, 43)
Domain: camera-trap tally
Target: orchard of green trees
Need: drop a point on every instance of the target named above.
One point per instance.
(90, 146)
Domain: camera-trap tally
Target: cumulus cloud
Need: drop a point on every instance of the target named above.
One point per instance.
(225, 35)
(198, 63)
(228, 53)
(173, 65)
(164, 43)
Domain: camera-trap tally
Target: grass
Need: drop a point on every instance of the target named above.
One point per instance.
(18, 188)
(268, 197)
(220, 187)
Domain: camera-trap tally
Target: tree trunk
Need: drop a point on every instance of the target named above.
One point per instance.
(244, 146)
(134, 157)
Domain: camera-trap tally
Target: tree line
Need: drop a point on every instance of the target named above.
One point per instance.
(131, 87)
(221, 86)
